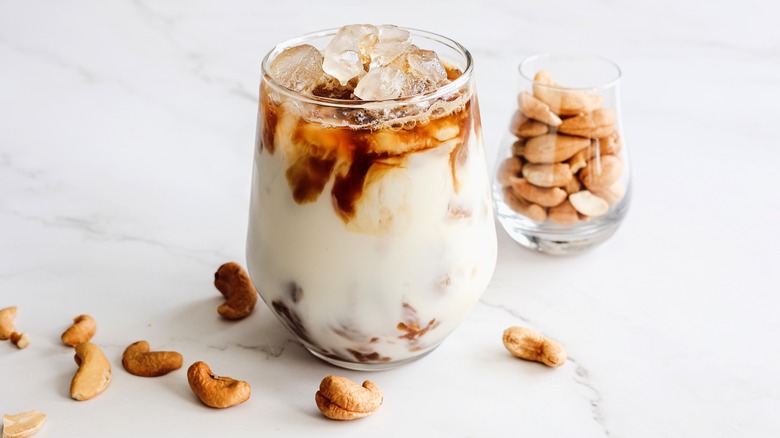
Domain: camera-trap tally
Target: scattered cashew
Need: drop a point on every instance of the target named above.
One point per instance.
(139, 361)
(93, 375)
(22, 341)
(216, 391)
(22, 425)
(7, 327)
(81, 331)
(342, 399)
(235, 285)
(530, 345)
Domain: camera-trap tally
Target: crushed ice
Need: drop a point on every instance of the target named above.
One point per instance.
(364, 61)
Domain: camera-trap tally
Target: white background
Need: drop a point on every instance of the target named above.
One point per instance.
(126, 139)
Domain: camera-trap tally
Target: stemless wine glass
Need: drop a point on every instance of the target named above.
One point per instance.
(562, 182)
(371, 230)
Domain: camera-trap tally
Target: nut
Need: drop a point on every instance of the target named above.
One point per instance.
(22, 425)
(547, 175)
(588, 204)
(579, 160)
(609, 145)
(235, 285)
(215, 391)
(7, 326)
(518, 148)
(81, 331)
(22, 341)
(595, 124)
(530, 345)
(534, 108)
(342, 399)
(612, 194)
(545, 197)
(561, 101)
(563, 214)
(573, 186)
(139, 361)
(94, 372)
(601, 173)
(521, 126)
(532, 211)
(553, 148)
(511, 167)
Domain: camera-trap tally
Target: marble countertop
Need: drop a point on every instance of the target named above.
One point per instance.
(126, 140)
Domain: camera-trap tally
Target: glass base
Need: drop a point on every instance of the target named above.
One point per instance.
(557, 239)
(370, 366)
(560, 245)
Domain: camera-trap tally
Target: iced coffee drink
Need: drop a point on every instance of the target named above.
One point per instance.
(371, 230)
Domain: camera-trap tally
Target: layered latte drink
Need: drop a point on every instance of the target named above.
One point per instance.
(371, 230)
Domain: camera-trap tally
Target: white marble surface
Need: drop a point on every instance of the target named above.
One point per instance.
(126, 138)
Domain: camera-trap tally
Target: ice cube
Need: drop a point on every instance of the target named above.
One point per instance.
(348, 51)
(423, 69)
(381, 83)
(391, 42)
(425, 65)
(297, 68)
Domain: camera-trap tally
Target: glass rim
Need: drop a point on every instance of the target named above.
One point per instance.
(611, 83)
(447, 89)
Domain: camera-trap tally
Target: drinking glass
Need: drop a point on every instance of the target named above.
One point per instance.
(562, 180)
(371, 231)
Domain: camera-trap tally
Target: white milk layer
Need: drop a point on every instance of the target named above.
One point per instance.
(397, 279)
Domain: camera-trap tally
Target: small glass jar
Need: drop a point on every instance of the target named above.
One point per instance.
(562, 180)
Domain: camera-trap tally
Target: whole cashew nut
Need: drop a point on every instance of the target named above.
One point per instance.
(138, 360)
(93, 375)
(7, 326)
(342, 399)
(81, 331)
(235, 285)
(530, 345)
(215, 391)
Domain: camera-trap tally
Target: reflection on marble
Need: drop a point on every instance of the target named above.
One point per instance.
(126, 139)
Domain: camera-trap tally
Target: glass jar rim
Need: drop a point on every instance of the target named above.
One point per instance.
(447, 89)
(606, 84)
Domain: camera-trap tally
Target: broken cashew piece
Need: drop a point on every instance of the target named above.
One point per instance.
(7, 326)
(215, 391)
(342, 399)
(530, 345)
(235, 285)
(21, 341)
(81, 331)
(22, 425)
(139, 361)
(93, 375)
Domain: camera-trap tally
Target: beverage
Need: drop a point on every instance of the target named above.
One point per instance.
(371, 230)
